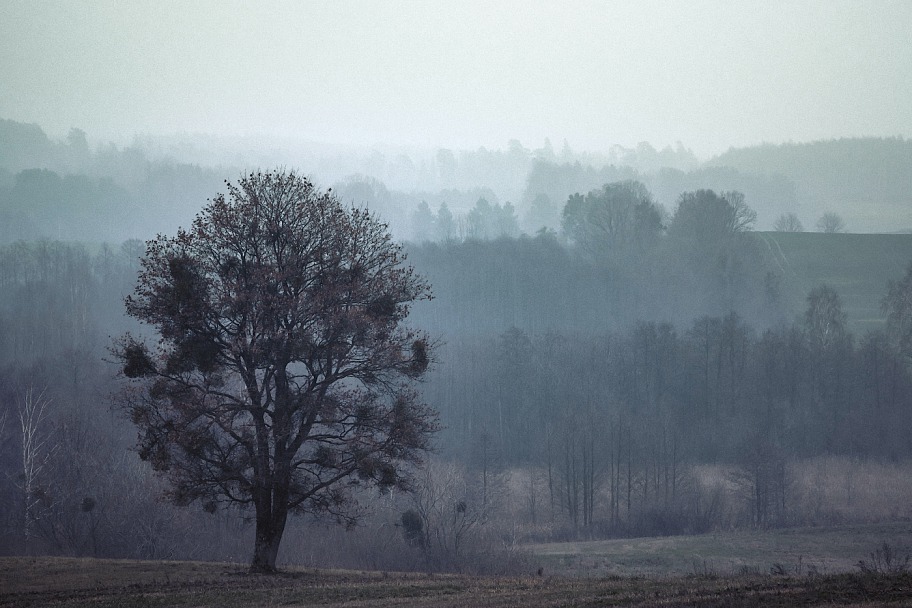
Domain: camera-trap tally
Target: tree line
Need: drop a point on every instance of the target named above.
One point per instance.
(606, 362)
(610, 422)
(619, 258)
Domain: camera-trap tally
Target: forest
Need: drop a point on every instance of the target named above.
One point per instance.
(621, 351)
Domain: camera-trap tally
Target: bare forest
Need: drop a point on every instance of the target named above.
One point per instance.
(504, 349)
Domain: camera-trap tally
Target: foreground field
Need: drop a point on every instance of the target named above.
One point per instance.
(791, 567)
(67, 582)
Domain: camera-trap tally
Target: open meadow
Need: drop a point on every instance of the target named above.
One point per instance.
(793, 551)
(71, 583)
(857, 266)
(799, 567)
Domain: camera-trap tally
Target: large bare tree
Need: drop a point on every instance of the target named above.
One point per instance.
(284, 373)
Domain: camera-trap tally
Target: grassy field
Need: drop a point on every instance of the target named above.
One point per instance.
(857, 266)
(799, 567)
(798, 551)
(71, 583)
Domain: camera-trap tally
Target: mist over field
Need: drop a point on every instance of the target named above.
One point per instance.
(663, 284)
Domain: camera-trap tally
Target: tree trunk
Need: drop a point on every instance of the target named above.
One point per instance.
(270, 525)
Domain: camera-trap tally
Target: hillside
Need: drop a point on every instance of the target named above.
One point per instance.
(857, 266)
(866, 180)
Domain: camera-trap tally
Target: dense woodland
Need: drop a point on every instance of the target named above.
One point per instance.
(600, 341)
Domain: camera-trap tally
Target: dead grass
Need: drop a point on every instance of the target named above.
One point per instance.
(845, 489)
(70, 583)
(796, 551)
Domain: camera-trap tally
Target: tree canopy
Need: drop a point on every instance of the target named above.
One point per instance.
(705, 216)
(617, 219)
(284, 373)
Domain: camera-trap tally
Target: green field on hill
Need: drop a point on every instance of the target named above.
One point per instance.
(857, 266)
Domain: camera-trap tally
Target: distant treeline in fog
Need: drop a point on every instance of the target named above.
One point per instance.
(72, 190)
(609, 327)
(610, 421)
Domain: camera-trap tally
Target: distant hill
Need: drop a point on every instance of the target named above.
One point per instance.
(857, 266)
(868, 181)
(26, 146)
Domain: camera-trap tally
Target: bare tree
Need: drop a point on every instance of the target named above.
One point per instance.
(824, 319)
(788, 222)
(764, 480)
(704, 215)
(449, 507)
(283, 376)
(830, 223)
(37, 448)
(616, 219)
(897, 305)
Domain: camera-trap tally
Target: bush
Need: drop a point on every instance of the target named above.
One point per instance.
(885, 560)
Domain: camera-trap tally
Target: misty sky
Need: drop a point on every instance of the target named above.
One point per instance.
(462, 74)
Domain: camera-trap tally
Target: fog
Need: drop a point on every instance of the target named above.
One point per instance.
(462, 74)
(633, 331)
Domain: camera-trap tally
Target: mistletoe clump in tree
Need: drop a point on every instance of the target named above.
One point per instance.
(284, 374)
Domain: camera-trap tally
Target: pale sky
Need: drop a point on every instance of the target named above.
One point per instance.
(711, 74)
